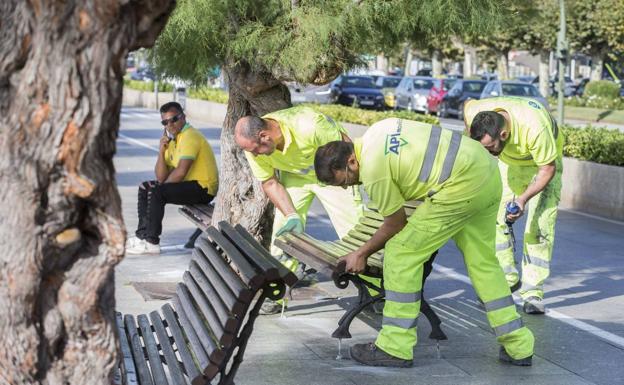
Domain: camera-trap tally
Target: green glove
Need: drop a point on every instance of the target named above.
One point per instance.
(293, 223)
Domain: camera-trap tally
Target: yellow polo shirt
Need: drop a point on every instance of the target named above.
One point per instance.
(532, 140)
(304, 131)
(402, 160)
(191, 144)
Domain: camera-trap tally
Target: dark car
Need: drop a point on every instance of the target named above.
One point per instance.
(453, 101)
(357, 91)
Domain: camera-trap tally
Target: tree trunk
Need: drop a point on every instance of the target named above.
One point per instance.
(240, 198)
(503, 66)
(543, 73)
(436, 64)
(469, 61)
(381, 63)
(408, 60)
(61, 229)
(596, 66)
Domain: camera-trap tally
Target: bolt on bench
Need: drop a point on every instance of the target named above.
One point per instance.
(323, 257)
(203, 336)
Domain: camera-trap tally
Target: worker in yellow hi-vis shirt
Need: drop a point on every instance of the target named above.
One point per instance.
(526, 140)
(280, 149)
(400, 160)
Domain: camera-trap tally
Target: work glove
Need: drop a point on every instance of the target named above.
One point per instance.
(293, 223)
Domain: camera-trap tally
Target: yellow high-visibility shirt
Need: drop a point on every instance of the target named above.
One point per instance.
(534, 140)
(402, 160)
(304, 131)
(191, 144)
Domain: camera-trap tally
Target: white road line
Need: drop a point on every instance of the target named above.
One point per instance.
(609, 337)
(614, 221)
(137, 142)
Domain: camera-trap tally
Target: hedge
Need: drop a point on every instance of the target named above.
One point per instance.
(600, 145)
(602, 88)
(148, 86)
(367, 117)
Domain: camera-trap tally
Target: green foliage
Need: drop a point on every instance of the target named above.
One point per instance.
(595, 27)
(216, 95)
(602, 88)
(147, 86)
(600, 145)
(368, 117)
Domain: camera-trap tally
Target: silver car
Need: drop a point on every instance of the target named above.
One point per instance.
(411, 93)
(496, 88)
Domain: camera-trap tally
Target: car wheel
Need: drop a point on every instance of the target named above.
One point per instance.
(460, 112)
(443, 110)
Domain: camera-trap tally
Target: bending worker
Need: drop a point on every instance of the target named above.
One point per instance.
(285, 141)
(400, 160)
(525, 138)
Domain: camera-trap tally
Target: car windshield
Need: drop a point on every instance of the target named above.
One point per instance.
(519, 90)
(447, 84)
(423, 84)
(473, 86)
(358, 82)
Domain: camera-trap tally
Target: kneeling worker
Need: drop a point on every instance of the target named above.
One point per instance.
(400, 160)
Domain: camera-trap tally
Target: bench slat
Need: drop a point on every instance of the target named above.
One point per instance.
(145, 378)
(187, 359)
(221, 266)
(193, 217)
(224, 338)
(229, 322)
(229, 299)
(270, 270)
(288, 276)
(311, 260)
(207, 364)
(206, 209)
(205, 337)
(158, 372)
(130, 371)
(359, 236)
(374, 215)
(365, 229)
(237, 261)
(175, 371)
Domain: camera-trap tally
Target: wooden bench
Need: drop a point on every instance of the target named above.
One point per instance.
(201, 337)
(323, 257)
(201, 216)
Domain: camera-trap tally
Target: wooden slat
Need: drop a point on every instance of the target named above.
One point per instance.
(206, 209)
(205, 337)
(224, 270)
(370, 222)
(247, 272)
(373, 215)
(229, 322)
(173, 365)
(158, 372)
(365, 229)
(145, 378)
(288, 276)
(207, 311)
(193, 218)
(190, 367)
(358, 235)
(129, 370)
(206, 364)
(318, 264)
(253, 256)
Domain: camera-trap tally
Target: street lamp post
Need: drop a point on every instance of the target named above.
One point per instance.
(562, 53)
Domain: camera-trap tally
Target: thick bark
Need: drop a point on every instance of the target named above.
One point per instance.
(503, 65)
(544, 75)
(240, 198)
(470, 58)
(408, 60)
(61, 230)
(596, 66)
(436, 63)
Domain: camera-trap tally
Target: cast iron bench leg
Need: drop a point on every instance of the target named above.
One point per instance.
(191, 241)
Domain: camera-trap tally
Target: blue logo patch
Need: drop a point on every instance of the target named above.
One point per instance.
(534, 104)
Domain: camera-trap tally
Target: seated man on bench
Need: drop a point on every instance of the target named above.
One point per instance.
(186, 173)
(399, 160)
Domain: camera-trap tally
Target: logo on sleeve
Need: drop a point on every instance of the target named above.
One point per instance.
(534, 104)
(394, 141)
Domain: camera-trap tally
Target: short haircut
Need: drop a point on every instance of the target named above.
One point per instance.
(170, 106)
(487, 122)
(250, 126)
(330, 158)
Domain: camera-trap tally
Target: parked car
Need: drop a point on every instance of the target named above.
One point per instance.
(525, 79)
(511, 88)
(387, 85)
(411, 93)
(568, 90)
(580, 87)
(453, 101)
(144, 74)
(437, 92)
(358, 91)
(310, 93)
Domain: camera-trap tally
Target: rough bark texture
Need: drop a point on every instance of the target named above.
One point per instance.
(436, 64)
(503, 65)
(240, 198)
(544, 73)
(596, 66)
(61, 230)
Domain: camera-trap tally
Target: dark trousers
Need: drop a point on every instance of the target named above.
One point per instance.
(153, 197)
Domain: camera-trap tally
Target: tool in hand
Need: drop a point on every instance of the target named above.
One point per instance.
(511, 208)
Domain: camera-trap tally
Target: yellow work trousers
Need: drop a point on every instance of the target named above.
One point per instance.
(539, 232)
(470, 221)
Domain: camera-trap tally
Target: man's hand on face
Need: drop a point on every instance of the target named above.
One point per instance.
(355, 262)
(164, 144)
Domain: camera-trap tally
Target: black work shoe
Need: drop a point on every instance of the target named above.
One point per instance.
(534, 305)
(369, 354)
(504, 357)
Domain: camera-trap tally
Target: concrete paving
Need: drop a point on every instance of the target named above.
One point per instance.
(579, 341)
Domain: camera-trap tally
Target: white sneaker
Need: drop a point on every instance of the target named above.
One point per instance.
(141, 246)
(133, 241)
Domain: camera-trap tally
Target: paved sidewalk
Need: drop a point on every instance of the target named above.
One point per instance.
(579, 341)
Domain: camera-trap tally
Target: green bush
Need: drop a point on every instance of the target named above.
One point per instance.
(367, 117)
(600, 145)
(147, 86)
(602, 88)
(216, 95)
(592, 101)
